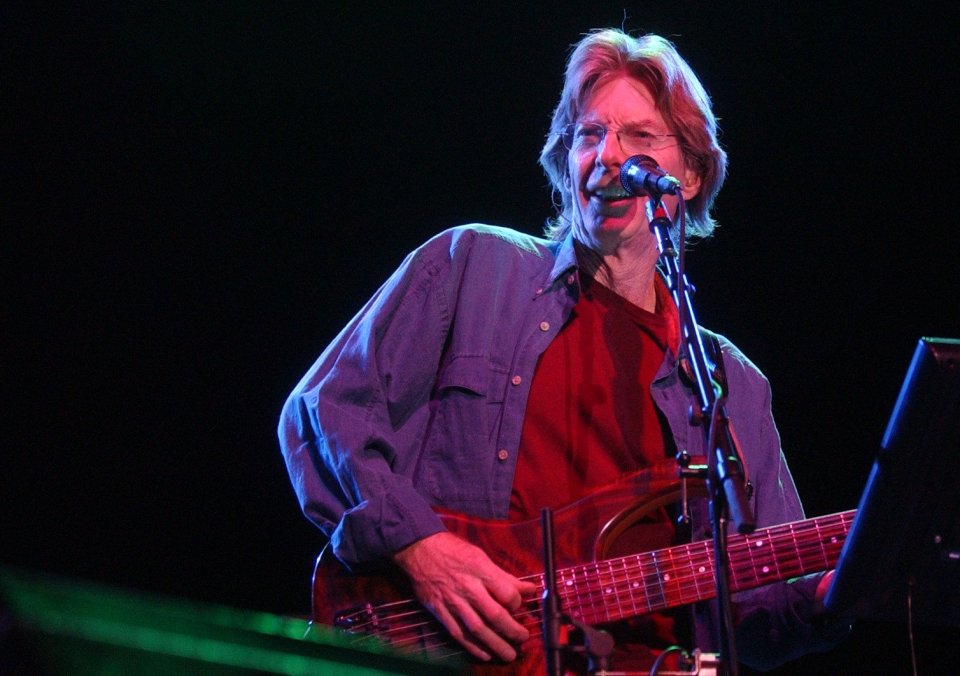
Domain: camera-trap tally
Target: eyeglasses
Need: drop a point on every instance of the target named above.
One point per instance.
(584, 136)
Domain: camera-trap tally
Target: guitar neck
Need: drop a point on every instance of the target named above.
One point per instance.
(605, 591)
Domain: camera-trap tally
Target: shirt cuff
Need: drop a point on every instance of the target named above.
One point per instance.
(376, 529)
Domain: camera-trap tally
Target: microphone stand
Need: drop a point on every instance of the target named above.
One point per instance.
(724, 472)
(550, 602)
(597, 644)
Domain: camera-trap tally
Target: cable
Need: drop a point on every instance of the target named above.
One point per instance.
(663, 656)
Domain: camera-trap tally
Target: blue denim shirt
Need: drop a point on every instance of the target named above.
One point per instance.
(419, 402)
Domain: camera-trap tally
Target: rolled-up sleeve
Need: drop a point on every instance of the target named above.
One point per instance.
(343, 431)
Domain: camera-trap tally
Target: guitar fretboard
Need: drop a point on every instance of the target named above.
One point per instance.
(614, 589)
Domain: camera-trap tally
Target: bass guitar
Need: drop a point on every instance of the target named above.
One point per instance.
(593, 586)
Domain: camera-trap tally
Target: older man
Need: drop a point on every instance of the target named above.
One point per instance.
(497, 373)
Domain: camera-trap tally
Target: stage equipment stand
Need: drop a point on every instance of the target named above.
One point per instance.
(726, 481)
(558, 628)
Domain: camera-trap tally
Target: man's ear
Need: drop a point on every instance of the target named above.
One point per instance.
(691, 183)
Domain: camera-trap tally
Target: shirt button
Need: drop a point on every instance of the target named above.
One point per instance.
(544, 326)
(516, 380)
(502, 454)
(571, 279)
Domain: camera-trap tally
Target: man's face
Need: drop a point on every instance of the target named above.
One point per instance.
(605, 216)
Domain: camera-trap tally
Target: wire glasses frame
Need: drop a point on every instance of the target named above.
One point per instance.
(584, 136)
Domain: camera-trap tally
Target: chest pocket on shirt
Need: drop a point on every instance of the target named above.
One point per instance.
(467, 403)
(465, 373)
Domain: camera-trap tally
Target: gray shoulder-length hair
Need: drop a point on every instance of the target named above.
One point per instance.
(685, 105)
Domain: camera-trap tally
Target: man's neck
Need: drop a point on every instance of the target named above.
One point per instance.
(627, 276)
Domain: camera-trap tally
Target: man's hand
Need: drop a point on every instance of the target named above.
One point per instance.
(822, 587)
(468, 593)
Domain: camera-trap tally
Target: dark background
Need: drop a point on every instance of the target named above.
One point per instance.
(198, 196)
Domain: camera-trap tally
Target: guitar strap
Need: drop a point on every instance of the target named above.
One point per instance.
(715, 354)
(711, 344)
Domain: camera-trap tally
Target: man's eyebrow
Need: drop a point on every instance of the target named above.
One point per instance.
(648, 123)
(645, 123)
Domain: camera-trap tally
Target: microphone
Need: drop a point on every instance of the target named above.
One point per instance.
(641, 175)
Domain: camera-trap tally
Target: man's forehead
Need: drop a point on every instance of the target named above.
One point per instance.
(624, 100)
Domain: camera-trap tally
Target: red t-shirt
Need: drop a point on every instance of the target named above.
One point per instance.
(590, 418)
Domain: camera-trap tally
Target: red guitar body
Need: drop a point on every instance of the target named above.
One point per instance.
(606, 570)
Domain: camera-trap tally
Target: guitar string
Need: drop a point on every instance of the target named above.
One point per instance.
(421, 638)
(589, 596)
(599, 594)
(430, 642)
(662, 584)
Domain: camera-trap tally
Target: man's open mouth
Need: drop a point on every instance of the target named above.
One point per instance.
(610, 193)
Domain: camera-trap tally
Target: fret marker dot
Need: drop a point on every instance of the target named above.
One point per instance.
(569, 583)
(608, 590)
(759, 543)
(702, 568)
(766, 569)
(666, 577)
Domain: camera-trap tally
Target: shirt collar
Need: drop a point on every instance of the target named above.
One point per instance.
(566, 260)
(564, 268)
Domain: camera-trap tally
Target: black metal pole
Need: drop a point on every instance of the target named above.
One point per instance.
(724, 471)
(550, 601)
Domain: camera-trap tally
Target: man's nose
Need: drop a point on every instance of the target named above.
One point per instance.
(610, 152)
